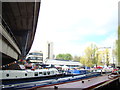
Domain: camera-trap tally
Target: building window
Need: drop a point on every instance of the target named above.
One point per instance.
(40, 54)
(39, 58)
(33, 58)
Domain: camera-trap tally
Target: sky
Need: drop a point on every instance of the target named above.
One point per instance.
(73, 24)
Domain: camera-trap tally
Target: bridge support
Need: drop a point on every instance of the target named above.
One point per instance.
(9, 48)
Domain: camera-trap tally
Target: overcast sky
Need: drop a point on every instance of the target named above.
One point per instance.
(73, 24)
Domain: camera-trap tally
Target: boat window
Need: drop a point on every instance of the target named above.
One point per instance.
(44, 73)
(25, 74)
(40, 72)
(36, 74)
(52, 72)
(48, 72)
(7, 75)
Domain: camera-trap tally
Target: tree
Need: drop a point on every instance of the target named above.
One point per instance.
(115, 49)
(95, 54)
(107, 57)
(90, 54)
(67, 56)
(115, 52)
(83, 61)
(60, 56)
(99, 58)
(64, 56)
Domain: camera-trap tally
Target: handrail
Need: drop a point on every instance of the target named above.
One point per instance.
(106, 83)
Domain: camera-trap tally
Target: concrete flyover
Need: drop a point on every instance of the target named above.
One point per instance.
(17, 28)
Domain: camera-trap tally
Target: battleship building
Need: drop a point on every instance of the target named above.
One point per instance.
(49, 50)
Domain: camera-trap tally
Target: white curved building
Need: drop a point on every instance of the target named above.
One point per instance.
(59, 62)
(35, 57)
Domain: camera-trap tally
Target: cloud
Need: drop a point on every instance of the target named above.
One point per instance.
(109, 41)
(71, 24)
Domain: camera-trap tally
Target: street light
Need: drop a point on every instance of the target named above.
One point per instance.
(113, 63)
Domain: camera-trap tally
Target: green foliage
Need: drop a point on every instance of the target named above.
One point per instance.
(118, 45)
(83, 61)
(60, 56)
(107, 57)
(115, 50)
(99, 59)
(64, 56)
(90, 54)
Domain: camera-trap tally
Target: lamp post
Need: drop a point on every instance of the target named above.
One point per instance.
(113, 63)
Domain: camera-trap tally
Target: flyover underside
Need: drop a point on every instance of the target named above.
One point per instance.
(7, 59)
(9, 48)
(19, 20)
